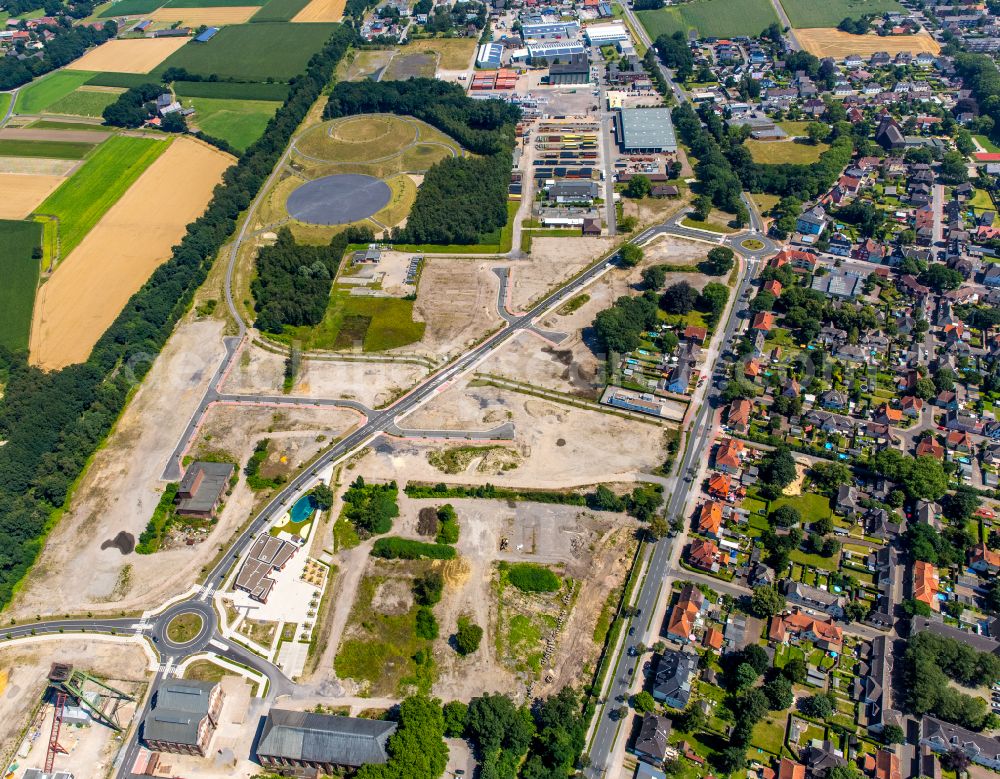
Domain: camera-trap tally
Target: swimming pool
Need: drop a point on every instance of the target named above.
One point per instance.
(302, 510)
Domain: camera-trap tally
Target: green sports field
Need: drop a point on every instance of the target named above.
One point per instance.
(241, 122)
(712, 18)
(85, 197)
(83, 102)
(830, 13)
(279, 10)
(56, 150)
(251, 52)
(43, 92)
(20, 274)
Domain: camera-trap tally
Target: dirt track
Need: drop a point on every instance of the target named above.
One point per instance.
(21, 193)
(321, 11)
(90, 287)
(130, 55)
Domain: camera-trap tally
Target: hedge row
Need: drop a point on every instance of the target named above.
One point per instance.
(395, 548)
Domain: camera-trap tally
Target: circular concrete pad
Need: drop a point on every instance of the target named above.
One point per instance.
(338, 199)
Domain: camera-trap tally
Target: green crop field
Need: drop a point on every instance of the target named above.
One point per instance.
(85, 197)
(123, 80)
(55, 124)
(252, 51)
(279, 10)
(241, 122)
(20, 275)
(830, 13)
(4, 103)
(83, 102)
(131, 7)
(43, 92)
(56, 150)
(712, 18)
(211, 3)
(229, 90)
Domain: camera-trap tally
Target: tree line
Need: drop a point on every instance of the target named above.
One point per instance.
(53, 422)
(462, 199)
(68, 44)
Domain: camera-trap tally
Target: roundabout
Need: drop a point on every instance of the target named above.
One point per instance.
(338, 199)
(183, 628)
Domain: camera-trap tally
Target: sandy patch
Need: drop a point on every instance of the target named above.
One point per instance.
(193, 17)
(321, 11)
(373, 384)
(113, 261)
(552, 261)
(131, 55)
(37, 166)
(828, 42)
(21, 193)
(74, 136)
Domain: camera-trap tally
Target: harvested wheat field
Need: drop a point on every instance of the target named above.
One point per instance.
(88, 290)
(829, 42)
(37, 166)
(21, 193)
(195, 17)
(131, 55)
(321, 11)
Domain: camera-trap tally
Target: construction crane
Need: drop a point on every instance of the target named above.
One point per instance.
(54, 746)
(101, 700)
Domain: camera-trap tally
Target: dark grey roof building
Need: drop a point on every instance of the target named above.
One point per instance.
(301, 743)
(675, 675)
(183, 717)
(651, 743)
(945, 737)
(202, 488)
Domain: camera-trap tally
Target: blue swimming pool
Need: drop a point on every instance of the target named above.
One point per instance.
(302, 510)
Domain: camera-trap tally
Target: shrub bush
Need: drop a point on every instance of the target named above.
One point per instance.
(530, 577)
(395, 548)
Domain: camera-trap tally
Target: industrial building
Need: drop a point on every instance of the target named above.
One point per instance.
(202, 488)
(490, 55)
(551, 51)
(300, 743)
(540, 31)
(646, 130)
(576, 70)
(184, 716)
(605, 34)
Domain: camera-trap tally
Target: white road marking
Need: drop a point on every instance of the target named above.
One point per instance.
(218, 645)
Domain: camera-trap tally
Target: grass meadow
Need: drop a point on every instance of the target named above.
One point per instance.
(20, 274)
(4, 103)
(57, 150)
(712, 18)
(251, 52)
(83, 102)
(81, 201)
(131, 8)
(777, 152)
(279, 10)
(241, 122)
(830, 13)
(43, 92)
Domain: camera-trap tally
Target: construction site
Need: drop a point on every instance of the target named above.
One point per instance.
(75, 728)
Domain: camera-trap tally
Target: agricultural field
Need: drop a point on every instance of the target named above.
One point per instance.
(131, 8)
(85, 101)
(20, 193)
(43, 92)
(129, 55)
(225, 90)
(712, 18)
(195, 17)
(4, 102)
(59, 150)
(94, 281)
(248, 51)
(809, 13)
(777, 152)
(453, 53)
(826, 42)
(19, 270)
(318, 11)
(240, 122)
(81, 201)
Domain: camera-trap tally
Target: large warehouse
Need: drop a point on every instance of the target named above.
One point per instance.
(645, 130)
(605, 34)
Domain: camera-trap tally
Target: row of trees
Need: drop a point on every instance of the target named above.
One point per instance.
(68, 44)
(133, 107)
(52, 422)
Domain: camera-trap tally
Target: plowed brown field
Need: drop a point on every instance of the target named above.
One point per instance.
(20, 193)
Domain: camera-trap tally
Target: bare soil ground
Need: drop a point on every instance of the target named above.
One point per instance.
(364, 64)
(551, 262)
(26, 668)
(194, 17)
(653, 209)
(128, 55)
(80, 136)
(457, 298)
(828, 42)
(321, 11)
(556, 442)
(37, 166)
(21, 193)
(88, 290)
(373, 384)
(575, 364)
(120, 490)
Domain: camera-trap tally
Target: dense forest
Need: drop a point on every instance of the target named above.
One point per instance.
(52, 422)
(293, 280)
(462, 199)
(68, 44)
(78, 9)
